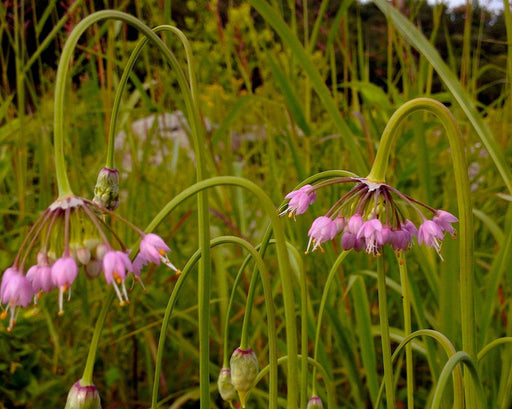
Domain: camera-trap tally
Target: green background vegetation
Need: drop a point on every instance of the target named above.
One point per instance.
(267, 125)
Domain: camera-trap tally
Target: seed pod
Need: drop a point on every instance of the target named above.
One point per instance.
(244, 369)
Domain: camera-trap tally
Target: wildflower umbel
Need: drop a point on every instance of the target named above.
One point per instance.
(70, 235)
(368, 216)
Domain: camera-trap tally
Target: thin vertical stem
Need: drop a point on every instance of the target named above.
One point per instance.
(406, 303)
(93, 347)
(282, 258)
(189, 96)
(378, 173)
(384, 333)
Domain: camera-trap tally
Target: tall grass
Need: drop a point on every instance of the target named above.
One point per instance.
(283, 94)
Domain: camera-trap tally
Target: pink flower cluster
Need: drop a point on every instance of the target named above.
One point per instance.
(368, 217)
(71, 234)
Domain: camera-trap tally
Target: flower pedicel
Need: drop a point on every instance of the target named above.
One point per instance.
(369, 216)
(71, 234)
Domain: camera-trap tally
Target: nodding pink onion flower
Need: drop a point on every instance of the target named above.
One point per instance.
(116, 265)
(64, 273)
(369, 217)
(371, 232)
(323, 229)
(153, 250)
(444, 220)
(16, 291)
(431, 234)
(299, 200)
(71, 236)
(349, 240)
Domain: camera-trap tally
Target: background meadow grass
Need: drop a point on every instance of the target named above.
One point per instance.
(268, 122)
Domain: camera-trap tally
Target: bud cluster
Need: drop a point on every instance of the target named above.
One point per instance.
(71, 234)
(369, 216)
(239, 377)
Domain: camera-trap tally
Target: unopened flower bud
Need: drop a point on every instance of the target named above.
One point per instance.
(244, 369)
(83, 255)
(226, 389)
(315, 403)
(83, 397)
(106, 191)
(101, 250)
(93, 268)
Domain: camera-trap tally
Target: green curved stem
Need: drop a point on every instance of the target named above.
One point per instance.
(272, 336)
(458, 401)
(199, 149)
(384, 333)
(282, 257)
(126, 74)
(378, 174)
(304, 298)
(93, 346)
(406, 303)
(491, 345)
(321, 308)
(236, 282)
(244, 337)
(451, 364)
(60, 83)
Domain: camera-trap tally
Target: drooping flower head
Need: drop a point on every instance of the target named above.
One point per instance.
(368, 217)
(70, 235)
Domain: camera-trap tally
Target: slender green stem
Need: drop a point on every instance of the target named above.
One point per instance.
(458, 401)
(453, 362)
(282, 257)
(406, 303)
(199, 149)
(272, 335)
(93, 346)
(321, 309)
(384, 329)
(493, 344)
(378, 173)
(126, 74)
(236, 282)
(61, 78)
(244, 337)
